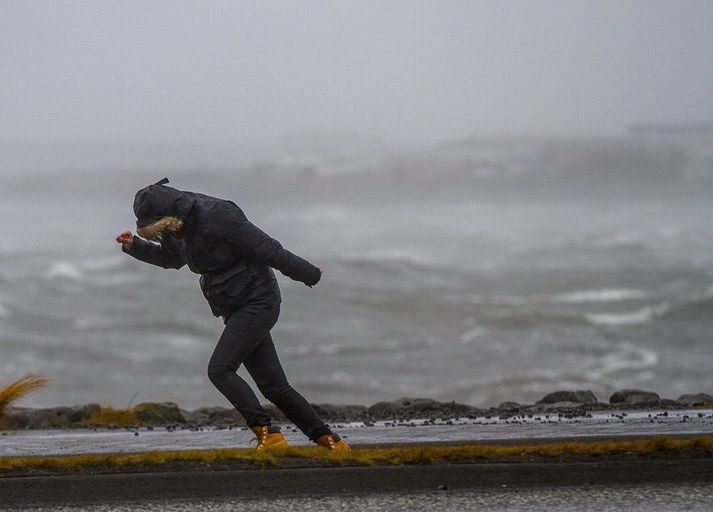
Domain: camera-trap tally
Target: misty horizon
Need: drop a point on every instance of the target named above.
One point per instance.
(165, 84)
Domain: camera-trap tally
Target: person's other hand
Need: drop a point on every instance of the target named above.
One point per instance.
(320, 277)
(126, 239)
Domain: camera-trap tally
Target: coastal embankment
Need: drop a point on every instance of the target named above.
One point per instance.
(563, 404)
(404, 446)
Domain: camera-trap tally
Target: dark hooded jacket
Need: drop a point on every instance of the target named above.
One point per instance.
(218, 242)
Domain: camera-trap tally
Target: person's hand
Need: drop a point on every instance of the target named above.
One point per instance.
(126, 239)
(320, 276)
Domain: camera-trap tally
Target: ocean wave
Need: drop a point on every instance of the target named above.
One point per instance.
(601, 295)
(396, 255)
(574, 297)
(343, 380)
(641, 316)
(79, 270)
(626, 358)
(528, 319)
(64, 270)
(305, 350)
(472, 334)
(104, 263)
(700, 306)
(621, 366)
(344, 349)
(166, 326)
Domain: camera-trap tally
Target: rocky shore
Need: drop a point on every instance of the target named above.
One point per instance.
(170, 415)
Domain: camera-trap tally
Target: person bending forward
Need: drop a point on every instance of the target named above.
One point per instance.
(235, 260)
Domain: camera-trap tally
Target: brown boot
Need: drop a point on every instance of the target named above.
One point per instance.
(268, 438)
(334, 443)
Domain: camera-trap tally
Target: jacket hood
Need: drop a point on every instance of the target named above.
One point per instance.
(159, 200)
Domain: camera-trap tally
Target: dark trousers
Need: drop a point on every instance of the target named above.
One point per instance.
(246, 340)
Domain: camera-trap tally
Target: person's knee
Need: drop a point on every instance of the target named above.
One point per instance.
(217, 372)
(276, 391)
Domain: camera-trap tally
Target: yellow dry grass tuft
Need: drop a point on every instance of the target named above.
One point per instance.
(108, 416)
(16, 390)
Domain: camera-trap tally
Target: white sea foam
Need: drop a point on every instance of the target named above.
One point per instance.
(180, 341)
(575, 297)
(640, 316)
(64, 270)
(472, 334)
(102, 264)
(627, 357)
(602, 295)
(92, 323)
(397, 255)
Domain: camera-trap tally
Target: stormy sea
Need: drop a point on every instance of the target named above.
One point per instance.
(436, 289)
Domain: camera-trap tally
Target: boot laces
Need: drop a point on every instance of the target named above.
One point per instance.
(260, 438)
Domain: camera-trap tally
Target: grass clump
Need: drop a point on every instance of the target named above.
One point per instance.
(663, 446)
(107, 416)
(153, 458)
(408, 455)
(16, 390)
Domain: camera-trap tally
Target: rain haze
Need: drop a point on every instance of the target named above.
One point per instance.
(111, 84)
(507, 198)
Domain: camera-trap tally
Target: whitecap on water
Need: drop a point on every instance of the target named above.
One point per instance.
(640, 316)
(603, 295)
(64, 270)
(397, 255)
(471, 334)
(106, 263)
(627, 357)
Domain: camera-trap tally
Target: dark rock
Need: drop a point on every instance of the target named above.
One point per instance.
(408, 408)
(573, 397)
(634, 397)
(338, 412)
(275, 414)
(217, 416)
(558, 405)
(82, 413)
(697, 399)
(54, 417)
(155, 413)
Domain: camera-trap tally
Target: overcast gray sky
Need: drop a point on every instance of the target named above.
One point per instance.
(218, 74)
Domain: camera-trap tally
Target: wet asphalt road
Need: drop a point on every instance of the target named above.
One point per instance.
(633, 498)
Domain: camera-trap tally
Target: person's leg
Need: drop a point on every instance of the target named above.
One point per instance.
(245, 328)
(265, 368)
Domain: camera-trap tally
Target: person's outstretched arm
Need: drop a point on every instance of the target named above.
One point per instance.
(260, 247)
(148, 252)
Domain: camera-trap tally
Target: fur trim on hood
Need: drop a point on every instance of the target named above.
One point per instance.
(154, 230)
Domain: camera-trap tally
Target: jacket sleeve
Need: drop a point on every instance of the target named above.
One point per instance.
(260, 247)
(154, 253)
